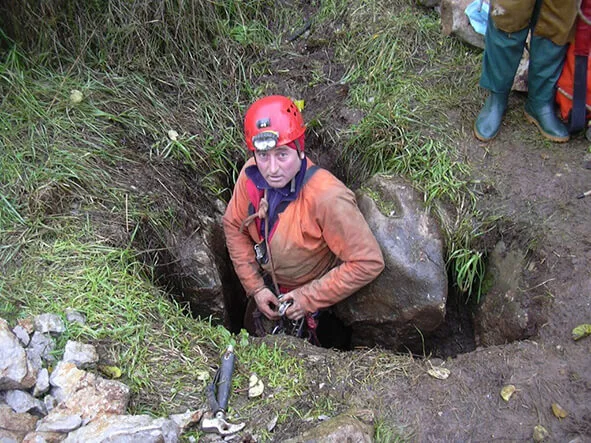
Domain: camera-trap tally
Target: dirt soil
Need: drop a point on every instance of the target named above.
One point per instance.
(533, 185)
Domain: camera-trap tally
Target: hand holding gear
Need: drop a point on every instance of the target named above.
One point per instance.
(267, 303)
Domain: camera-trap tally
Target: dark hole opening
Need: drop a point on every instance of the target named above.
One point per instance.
(453, 337)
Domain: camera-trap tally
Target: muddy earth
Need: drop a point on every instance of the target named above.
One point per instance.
(531, 186)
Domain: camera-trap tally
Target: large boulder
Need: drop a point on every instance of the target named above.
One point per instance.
(409, 297)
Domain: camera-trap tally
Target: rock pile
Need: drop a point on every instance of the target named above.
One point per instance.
(69, 404)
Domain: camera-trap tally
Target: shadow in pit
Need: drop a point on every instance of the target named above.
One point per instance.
(453, 337)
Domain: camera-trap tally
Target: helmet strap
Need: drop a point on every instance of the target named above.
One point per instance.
(298, 146)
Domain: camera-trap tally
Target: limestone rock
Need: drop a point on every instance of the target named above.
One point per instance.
(351, 426)
(16, 371)
(85, 394)
(411, 292)
(82, 355)
(128, 428)
(63, 423)
(43, 437)
(22, 401)
(20, 423)
(49, 323)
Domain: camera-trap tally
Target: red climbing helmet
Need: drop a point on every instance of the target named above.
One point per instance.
(272, 121)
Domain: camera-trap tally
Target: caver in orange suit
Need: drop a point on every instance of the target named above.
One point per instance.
(321, 244)
(321, 247)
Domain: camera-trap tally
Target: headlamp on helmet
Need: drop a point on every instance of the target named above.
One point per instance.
(265, 141)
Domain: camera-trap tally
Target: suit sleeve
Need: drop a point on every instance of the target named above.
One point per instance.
(349, 237)
(240, 244)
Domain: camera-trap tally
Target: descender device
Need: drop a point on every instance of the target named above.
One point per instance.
(218, 394)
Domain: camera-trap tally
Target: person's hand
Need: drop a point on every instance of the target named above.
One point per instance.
(296, 311)
(267, 303)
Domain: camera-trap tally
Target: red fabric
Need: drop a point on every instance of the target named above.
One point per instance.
(566, 84)
(583, 32)
(255, 195)
(580, 47)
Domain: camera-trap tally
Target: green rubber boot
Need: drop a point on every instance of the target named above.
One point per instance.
(488, 122)
(545, 66)
(499, 64)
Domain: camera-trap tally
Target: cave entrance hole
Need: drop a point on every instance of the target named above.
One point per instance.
(453, 337)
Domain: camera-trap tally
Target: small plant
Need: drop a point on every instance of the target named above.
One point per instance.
(468, 269)
(385, 432)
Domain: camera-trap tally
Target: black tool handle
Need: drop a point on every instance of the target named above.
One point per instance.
(225, 378)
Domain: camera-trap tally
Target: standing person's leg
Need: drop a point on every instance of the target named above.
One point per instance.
(506, 32)
(547, 54)
(545, 66)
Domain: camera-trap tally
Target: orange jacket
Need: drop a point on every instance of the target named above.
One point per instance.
(321, 244)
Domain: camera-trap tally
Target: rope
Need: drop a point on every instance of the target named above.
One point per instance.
(273, 276)
(261, 213)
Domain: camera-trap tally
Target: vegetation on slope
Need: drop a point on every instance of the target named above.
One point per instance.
(146, 68)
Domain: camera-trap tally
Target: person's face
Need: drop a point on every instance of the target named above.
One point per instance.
(278, 165)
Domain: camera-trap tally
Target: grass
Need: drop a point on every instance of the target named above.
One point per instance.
(156, 344)
(388, 433)
(406, 130)
(164, 85)
(58, 163)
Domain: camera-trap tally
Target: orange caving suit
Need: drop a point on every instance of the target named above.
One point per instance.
(321, 245)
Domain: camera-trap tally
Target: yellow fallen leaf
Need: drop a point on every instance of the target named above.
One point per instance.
(507, 391)
(172, 134)
(540, 433)
(299, 104)
(558, 411)
(255, 386)
(581, 331)
(202, 375)
(76, 96)
(110, 371)
(440, 373)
